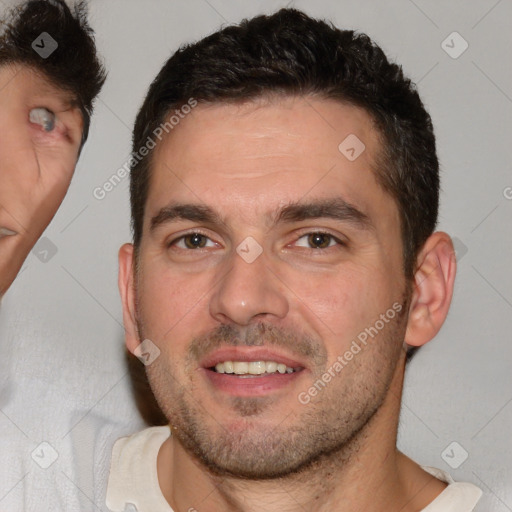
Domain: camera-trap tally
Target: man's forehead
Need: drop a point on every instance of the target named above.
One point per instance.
(215, 156)
(304, 135)
(264, 119)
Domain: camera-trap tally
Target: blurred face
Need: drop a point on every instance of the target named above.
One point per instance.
(269, 255)
(40, 134)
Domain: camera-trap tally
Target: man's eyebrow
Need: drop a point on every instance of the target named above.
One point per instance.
(335, 208)
(184, 211)
(66, 100)
(49, 88)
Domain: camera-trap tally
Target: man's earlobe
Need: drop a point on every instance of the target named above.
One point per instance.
(433, 289)
(127, 290)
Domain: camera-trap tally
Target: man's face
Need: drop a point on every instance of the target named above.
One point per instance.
(40, 135)
(263, 242)
(36, 164)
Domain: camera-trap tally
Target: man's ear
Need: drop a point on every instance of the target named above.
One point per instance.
(127, 290)
(433, 289)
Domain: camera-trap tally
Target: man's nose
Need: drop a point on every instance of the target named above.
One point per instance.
(249, 290)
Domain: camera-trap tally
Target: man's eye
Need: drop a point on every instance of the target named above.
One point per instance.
(318, 240)
(192, 241)
(43, 117)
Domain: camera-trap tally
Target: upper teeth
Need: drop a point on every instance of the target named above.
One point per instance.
(252, 368)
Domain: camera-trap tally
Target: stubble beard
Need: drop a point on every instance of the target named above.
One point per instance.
(327, 430)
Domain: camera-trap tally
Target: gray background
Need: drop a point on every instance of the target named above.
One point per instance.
(62, 374)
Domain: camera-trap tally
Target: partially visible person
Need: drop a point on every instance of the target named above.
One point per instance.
(50, 74)
(49, 77)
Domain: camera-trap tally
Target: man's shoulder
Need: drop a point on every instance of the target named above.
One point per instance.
(133, 475)
(457, 496)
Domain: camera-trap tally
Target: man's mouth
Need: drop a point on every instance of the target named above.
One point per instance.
(251, 371)
(253, 368)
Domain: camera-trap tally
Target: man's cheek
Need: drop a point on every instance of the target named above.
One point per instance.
(168, 302)
(333, 302)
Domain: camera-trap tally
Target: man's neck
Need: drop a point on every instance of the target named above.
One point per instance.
(368, 474)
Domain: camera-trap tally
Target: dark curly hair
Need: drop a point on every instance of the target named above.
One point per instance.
(73, 66)
(290, 53)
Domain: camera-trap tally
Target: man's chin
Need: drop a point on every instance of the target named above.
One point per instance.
(244, 465)
(250, 449)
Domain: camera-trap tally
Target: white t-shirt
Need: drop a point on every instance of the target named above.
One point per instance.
(133, 481)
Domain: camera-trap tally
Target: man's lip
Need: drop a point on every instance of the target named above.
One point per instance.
(249, 354)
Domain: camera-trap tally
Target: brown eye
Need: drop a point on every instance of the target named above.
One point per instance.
(195, 241)
(319, 240)
(192, 241)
